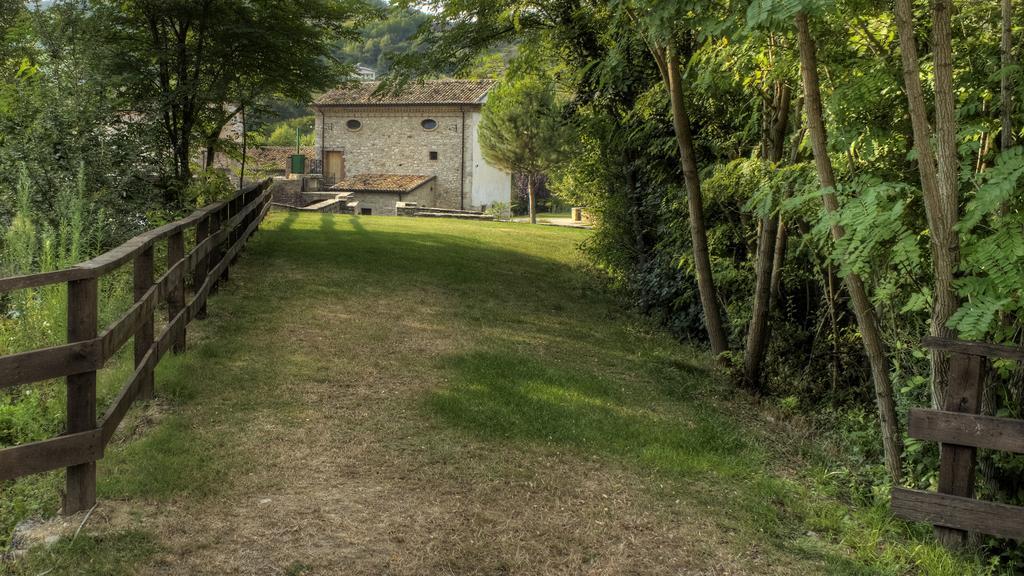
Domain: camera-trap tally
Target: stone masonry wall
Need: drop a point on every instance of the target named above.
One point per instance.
(383, 203)
(391, 140)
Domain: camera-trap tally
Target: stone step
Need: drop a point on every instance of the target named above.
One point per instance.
(409, 207)
(455, 215)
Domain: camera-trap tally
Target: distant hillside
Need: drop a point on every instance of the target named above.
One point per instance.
(381, 38)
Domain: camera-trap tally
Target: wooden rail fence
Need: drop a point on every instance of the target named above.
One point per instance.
(221, 230)
(961, 431)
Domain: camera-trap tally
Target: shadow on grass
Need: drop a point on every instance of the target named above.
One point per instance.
(327, 223)
(699, 453)
(287, 221)
(512, 397)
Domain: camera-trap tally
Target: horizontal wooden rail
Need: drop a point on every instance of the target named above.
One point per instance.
(119, 407)
(962, 429)
(59, 452)
(222, 230)
(49, 363)
(974, 348)
(958, 512)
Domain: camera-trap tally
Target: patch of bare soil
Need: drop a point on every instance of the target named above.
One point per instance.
(36, 532)
(359, 481)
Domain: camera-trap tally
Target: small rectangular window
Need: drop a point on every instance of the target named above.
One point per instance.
(366, 211)
(433, 155)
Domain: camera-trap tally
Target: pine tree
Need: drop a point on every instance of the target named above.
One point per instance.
(522, 130)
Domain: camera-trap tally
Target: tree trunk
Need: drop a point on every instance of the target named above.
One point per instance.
(939, 169)
(698, 234)
(866, 320)
(775, 122)
(245, 154)
(782, 238)
(1006, 86)
(533, 200)
(946, 239)
(757, 334)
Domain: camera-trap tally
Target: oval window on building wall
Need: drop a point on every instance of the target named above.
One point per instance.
(353, 124)
(429, 124)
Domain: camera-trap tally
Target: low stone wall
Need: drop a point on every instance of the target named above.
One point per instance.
(298, 192)
(287, 192)
(411, 209)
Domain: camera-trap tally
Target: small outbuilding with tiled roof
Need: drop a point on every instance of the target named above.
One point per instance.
(424, 130)
(379, 193)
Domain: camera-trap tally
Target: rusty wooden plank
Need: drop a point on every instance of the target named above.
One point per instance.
(959, 513)
(956, 463)
(974, 348)
(83, 317)
(967, 430)
(50, 454)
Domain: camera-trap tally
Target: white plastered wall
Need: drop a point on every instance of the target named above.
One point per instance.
(490, 184)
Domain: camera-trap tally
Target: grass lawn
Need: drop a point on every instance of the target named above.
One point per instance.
(401, 396)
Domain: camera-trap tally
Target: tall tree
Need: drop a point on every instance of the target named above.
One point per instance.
(522, 131)
(939, 166)
(866, 319)
(775, 121)
(1006, 83)
(663, 45)
(195, 63)
(695, 201)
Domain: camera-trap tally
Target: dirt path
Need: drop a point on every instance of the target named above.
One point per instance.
(338, 414)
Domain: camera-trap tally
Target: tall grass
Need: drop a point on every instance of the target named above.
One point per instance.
(36, 318)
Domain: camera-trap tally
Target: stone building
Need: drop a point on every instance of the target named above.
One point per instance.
(428, 131)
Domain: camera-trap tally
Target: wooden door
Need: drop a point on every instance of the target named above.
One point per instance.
(334, 166)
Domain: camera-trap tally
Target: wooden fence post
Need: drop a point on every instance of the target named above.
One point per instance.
(236, 206)
(956, 463)
(203, 266)
(259, 209)
(215, 253)
(176, 291)
(80, 481)
(225, 215)
(143, 280)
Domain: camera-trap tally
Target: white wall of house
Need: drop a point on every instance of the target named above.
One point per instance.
(490, 183)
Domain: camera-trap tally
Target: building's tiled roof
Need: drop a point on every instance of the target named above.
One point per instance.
(278, 155)
(397, 183)
(414, 93)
